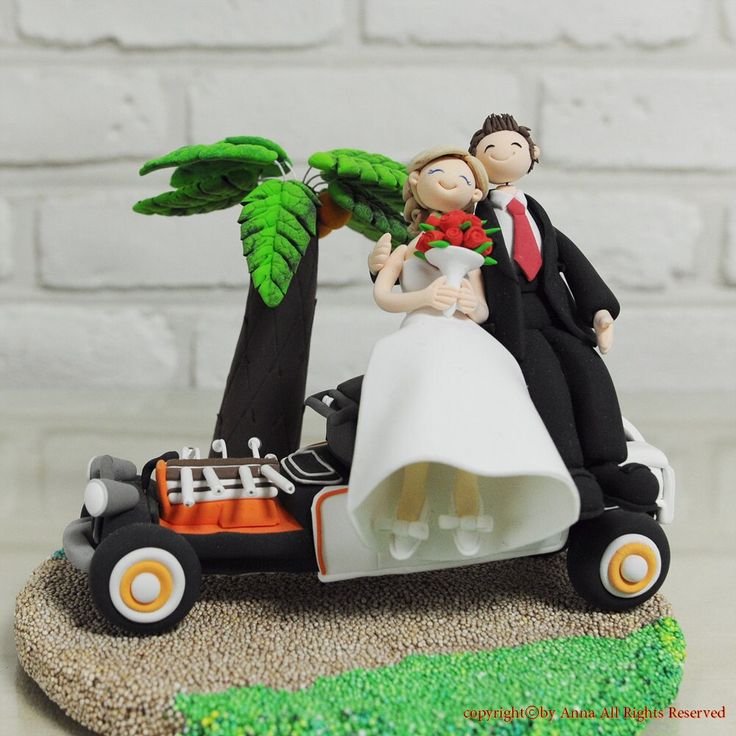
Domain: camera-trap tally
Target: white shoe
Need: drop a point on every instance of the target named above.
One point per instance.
(408, 535)
(467, 529)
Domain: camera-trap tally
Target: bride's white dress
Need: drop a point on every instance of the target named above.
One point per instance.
(442, 390)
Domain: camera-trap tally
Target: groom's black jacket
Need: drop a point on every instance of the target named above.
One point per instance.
(574, 306)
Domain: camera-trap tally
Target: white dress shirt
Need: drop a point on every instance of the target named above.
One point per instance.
(499, 200)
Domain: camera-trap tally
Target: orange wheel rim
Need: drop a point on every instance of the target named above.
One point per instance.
(616, 576)
(161, 572)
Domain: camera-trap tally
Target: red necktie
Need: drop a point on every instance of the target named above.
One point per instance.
(526, 251)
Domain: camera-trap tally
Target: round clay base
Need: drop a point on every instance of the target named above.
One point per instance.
(284, 631)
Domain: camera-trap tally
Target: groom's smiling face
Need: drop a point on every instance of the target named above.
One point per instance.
(505, 155)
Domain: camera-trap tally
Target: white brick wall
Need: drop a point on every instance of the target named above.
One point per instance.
(59, 114)
(377, 107)
(730, 257)
(614, 229)
(673, 348)
(97, 241)
(634, 119)
(729, 12)
(631, 102)
(6, 22)
(171, 23)
(6, 257)
(92, 345)
(587, 23)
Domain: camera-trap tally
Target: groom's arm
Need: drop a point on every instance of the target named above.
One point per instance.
(589, 290)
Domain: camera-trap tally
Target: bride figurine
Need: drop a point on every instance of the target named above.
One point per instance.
(449, 444)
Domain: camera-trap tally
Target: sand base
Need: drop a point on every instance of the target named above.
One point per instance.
(285, 630)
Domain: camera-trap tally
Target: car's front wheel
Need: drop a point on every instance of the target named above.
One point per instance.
(144, 578)
(617, 560)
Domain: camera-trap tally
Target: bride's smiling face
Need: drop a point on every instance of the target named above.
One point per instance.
(445, 184)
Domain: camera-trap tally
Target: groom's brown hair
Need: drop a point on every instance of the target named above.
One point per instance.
(494, 123)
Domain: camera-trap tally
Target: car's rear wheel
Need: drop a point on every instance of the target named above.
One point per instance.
(618, 560)
(144, 578)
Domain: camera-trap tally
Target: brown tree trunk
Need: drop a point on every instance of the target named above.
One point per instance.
(264, 393)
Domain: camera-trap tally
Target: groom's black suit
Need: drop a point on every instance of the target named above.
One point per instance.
(547, 325)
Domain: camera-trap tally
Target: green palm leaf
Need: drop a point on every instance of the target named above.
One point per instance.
(278, 220)
(369, 185)
(371, 217)
(255, 140)
(213, 177)
(371, 170)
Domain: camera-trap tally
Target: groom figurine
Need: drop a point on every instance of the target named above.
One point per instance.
(552, 326)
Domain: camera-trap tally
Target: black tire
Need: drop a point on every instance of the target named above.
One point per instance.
(598, 551)
(170, 560)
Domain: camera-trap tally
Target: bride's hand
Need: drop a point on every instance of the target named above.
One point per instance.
(439, 295)
(467, 301)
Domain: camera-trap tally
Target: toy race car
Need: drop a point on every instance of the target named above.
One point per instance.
(144, 539)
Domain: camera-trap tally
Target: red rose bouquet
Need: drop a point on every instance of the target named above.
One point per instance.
(456, 228)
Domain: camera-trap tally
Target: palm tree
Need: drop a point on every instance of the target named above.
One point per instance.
(281, 221)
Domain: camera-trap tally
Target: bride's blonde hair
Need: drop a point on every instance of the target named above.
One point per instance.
(415, 211)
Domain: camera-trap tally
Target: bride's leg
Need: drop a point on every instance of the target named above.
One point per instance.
(410, 526)
(413, 492)
(467, 520)
(466, 495)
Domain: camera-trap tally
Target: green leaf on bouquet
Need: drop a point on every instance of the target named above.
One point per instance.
(278, 220)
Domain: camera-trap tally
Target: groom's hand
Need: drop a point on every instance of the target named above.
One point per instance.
(603, 326)
(380, 253)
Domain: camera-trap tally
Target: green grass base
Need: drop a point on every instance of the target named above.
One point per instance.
(437, 694)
